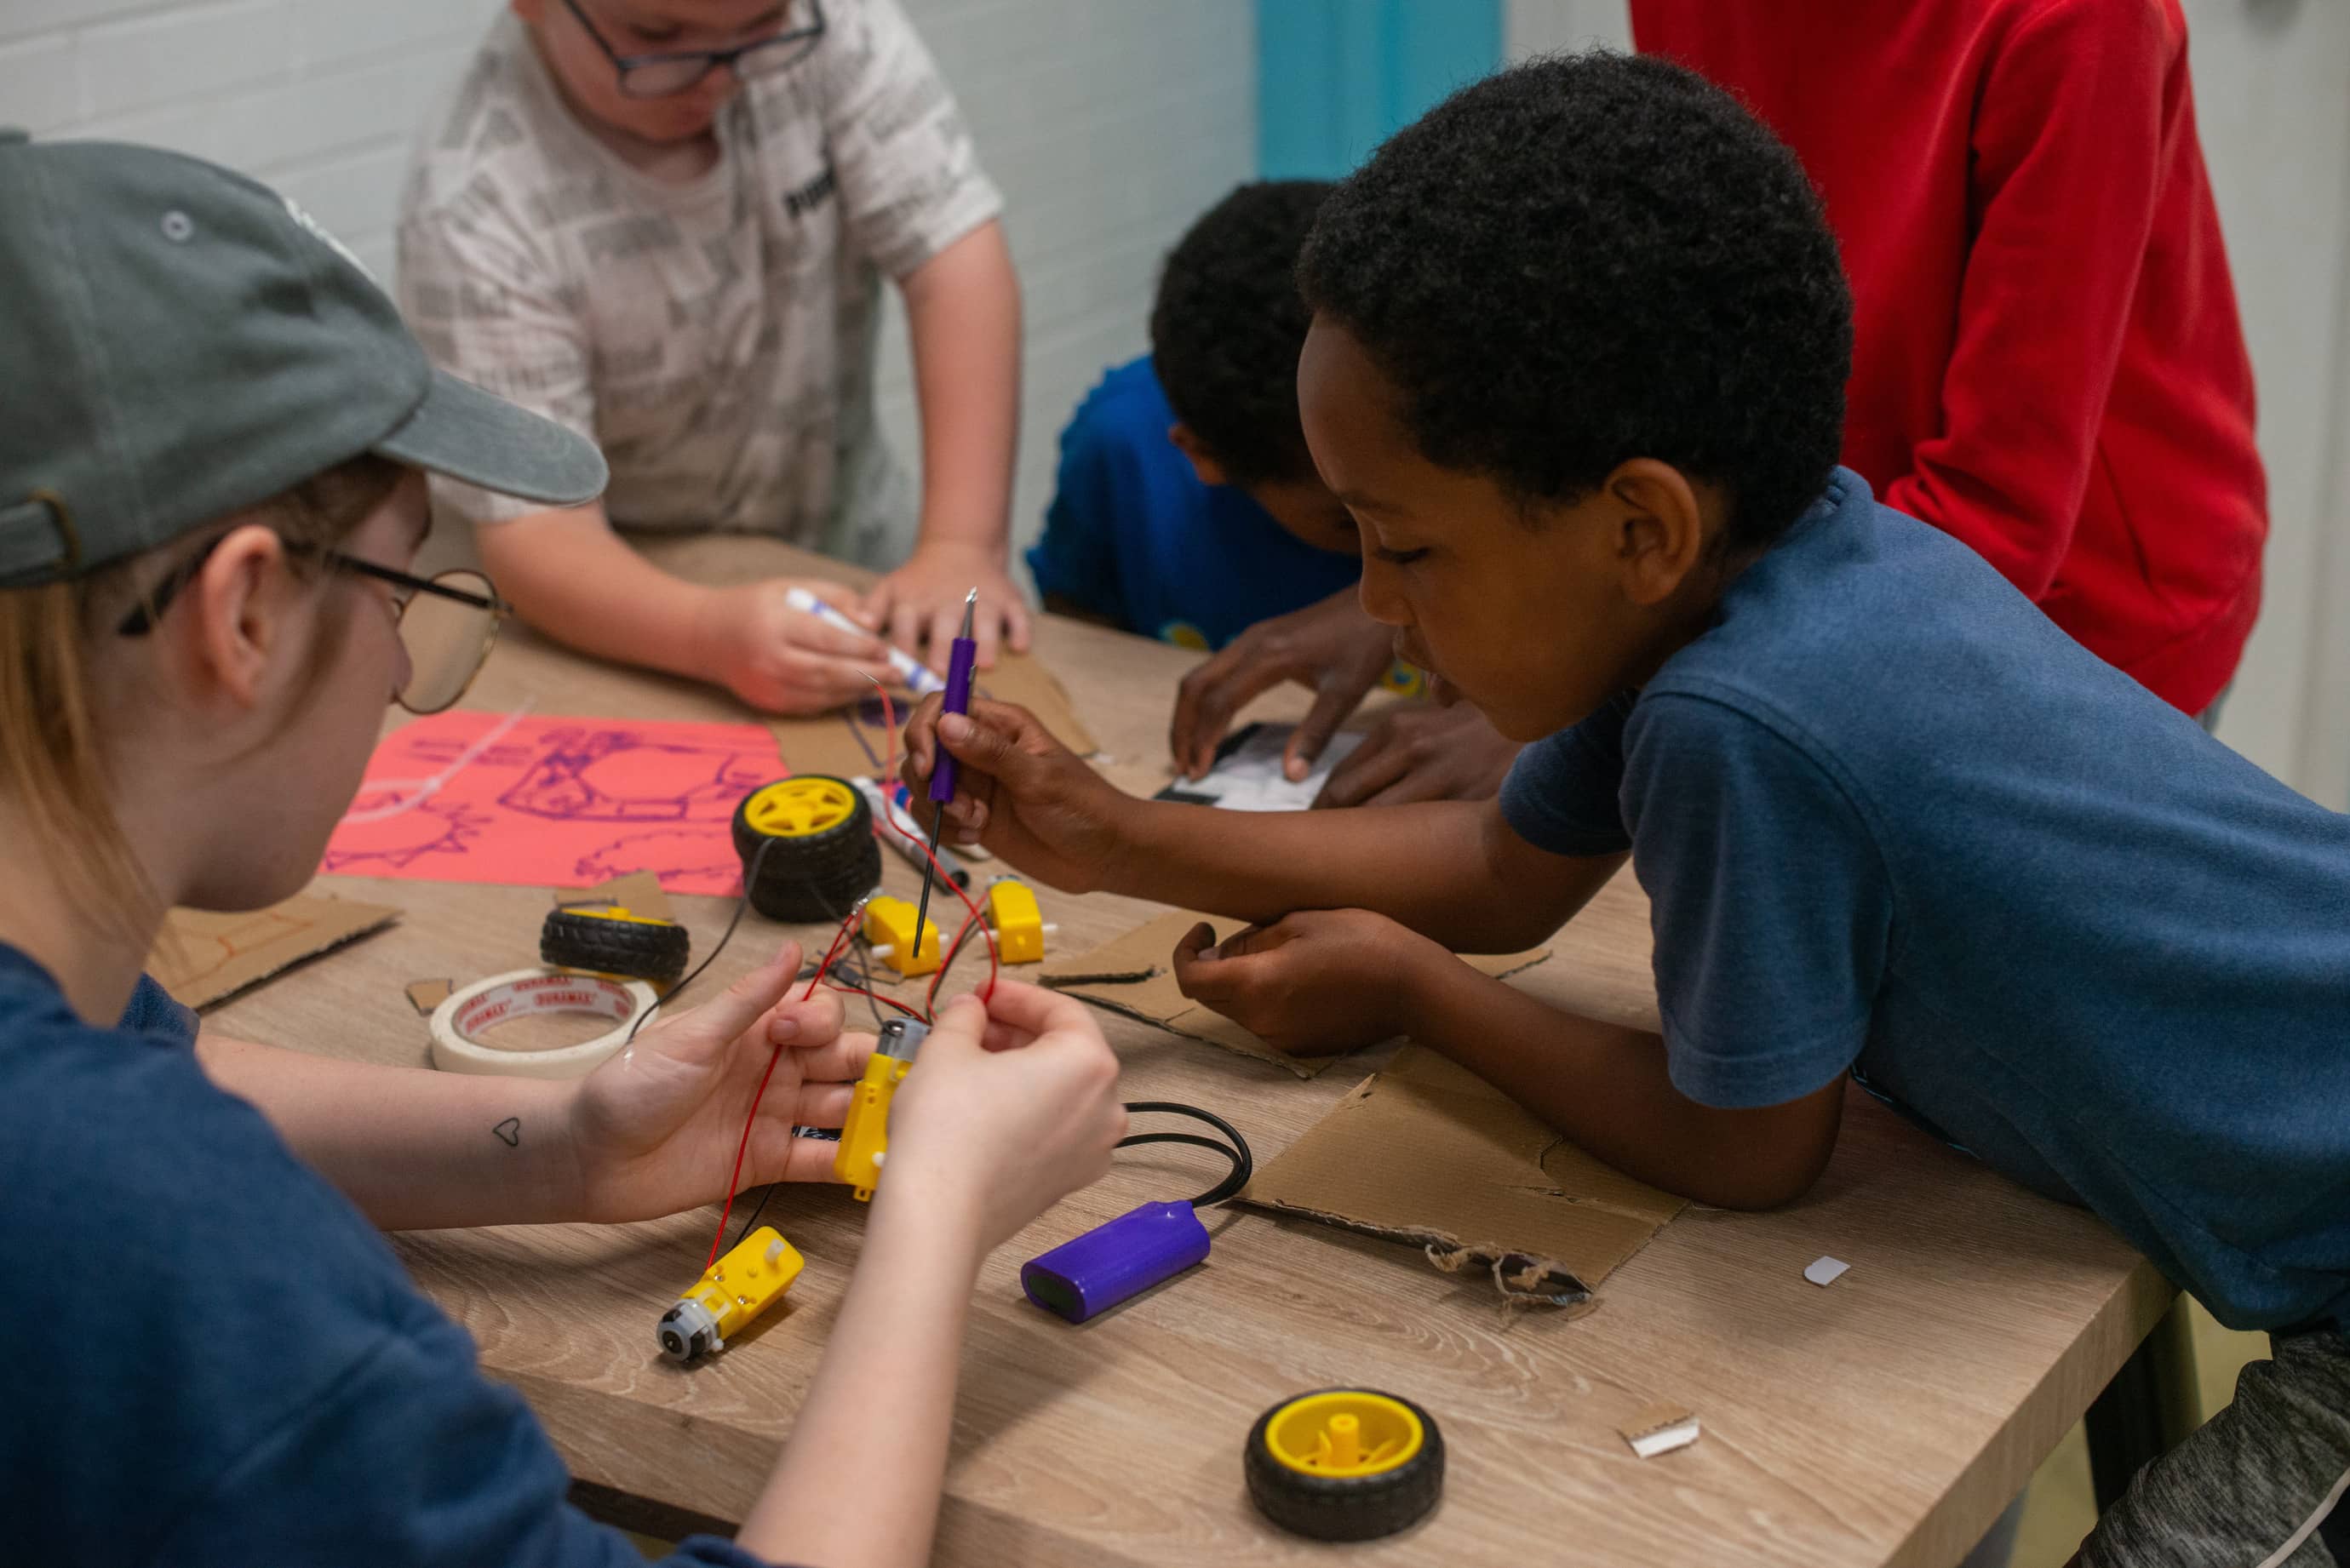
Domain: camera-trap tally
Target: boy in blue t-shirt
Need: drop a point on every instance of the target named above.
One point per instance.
(1187, 507)
(1577, 366)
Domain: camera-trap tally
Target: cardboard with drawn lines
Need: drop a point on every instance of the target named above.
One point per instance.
(202, 958)
(1428, 1152)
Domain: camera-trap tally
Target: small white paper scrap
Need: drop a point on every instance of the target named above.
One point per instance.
(1659, 1429)
(1826, 1271)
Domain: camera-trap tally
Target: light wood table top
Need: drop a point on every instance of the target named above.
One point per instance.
(1886, 1418)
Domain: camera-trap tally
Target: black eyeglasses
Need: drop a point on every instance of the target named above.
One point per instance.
(661, 75)
(447, 623)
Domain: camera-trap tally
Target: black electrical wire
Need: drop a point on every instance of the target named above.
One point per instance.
(724, 936)
(1236, 1150)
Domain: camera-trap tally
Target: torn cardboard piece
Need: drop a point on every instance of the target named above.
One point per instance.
(424, 995)
(1428, 1153)
(202, 958)
(639, 892)
(857, 738)
(1135, 975)
(1659, 1429)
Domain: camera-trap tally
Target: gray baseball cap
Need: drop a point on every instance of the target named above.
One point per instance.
(178, 341)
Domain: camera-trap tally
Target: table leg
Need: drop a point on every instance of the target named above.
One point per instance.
(2151, 1404)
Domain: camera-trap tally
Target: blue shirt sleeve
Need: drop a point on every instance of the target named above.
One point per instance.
(412, 1459)
(1773, 909)
(151, 1011)
(1561, 793)
(1076, 558)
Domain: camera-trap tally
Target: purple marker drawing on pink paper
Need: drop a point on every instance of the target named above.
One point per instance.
(556, 801)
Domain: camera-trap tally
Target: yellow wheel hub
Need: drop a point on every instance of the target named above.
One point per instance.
(620, 912)
(1349, 1432)
(799, 808)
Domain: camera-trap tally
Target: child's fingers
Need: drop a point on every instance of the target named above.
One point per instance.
(1018, 627)
(816, 635)
(905, 625)
(1375, 765)
(986, 632)
(807, 1024)
(1331, 705)
(946, 625)
(1037, 1010)
(836, 1061)
(732, 1011)
(808, 1159)
(824, 1104)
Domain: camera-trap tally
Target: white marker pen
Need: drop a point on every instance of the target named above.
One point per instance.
(919, 679)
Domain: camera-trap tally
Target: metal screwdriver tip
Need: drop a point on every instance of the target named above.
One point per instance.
(970, 607)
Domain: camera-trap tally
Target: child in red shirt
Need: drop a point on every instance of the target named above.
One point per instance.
(2049, 364)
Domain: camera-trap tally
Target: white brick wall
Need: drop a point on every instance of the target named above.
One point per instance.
(1108, 126)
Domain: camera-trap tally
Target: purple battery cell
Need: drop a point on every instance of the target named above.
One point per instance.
(958, 701)
(1115, 1259)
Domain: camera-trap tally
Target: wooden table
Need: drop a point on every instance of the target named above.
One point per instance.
(1886, 1418)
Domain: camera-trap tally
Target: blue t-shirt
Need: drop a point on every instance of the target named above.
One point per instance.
(215, 1358)
(1133, 536)
(1891, 818)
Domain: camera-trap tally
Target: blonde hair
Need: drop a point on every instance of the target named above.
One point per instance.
(53, 751)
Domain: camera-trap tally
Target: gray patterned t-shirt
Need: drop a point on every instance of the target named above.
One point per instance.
(714, 338)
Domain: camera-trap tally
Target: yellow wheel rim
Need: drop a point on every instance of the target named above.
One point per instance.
(799, 808)
(1349, 1432)
(619, 912)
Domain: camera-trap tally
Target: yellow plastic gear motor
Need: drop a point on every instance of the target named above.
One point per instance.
(890, 927)
(737, 1288)
(1019, 923)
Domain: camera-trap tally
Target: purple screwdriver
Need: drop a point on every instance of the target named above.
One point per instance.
(960, 660)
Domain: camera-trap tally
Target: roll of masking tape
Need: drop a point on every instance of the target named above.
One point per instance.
(460, 1019)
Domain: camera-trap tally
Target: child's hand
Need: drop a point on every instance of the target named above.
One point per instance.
(1011, 1106)
(783, 661)
(922, 600)
(1422, 753)
(1312, 984)
(1331, 647)
(654, 1129)
(1019, 792)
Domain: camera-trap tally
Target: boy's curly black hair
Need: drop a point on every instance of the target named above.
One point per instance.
(1228, 325)
(1591, 258)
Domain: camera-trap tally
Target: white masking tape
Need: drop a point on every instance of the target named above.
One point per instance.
(486, 1003)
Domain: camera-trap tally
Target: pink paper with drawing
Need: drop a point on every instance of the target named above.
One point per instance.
(554, 802)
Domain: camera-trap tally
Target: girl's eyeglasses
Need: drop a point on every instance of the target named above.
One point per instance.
(447, 623)
(661, 75)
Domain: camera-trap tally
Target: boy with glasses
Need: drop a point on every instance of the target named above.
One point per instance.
(662, 224)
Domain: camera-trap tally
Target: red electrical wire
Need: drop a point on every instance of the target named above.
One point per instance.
(775, 1055)
(889, 814)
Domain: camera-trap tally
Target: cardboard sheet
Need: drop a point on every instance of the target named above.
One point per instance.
(1426, 1152)
(554, 802)
(202, 958)
(1135, 975)
(856, 740)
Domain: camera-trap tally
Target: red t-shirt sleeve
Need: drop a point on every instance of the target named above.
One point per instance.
(2067, 146)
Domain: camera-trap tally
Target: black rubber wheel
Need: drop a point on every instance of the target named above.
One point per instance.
(596, 939)
(820, 855)
(1345, 1507)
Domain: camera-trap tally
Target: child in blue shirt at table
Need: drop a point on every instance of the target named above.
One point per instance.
(213, 445)
(1187, 508)
(1579, 344)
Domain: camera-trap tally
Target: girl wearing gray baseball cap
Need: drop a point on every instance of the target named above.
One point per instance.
(213, 437)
